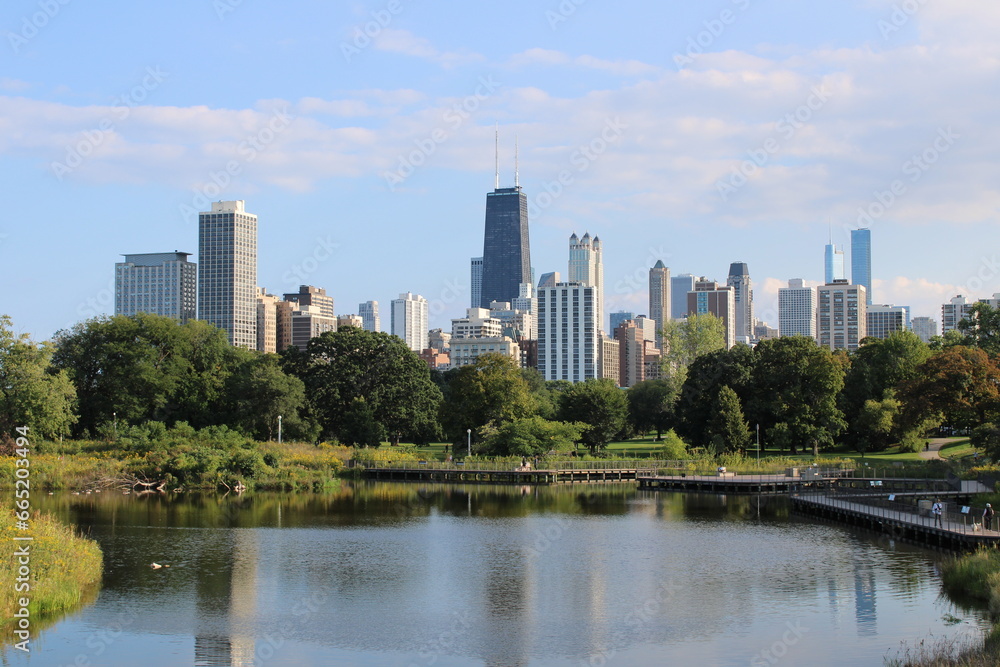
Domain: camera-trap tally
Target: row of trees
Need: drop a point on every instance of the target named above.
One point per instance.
(365, 388)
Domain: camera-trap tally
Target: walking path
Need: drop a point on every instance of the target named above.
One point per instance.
(934, 453)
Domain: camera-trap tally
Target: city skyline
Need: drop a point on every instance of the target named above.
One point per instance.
(677, 143)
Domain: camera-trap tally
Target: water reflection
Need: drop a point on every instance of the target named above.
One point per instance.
(376, 574)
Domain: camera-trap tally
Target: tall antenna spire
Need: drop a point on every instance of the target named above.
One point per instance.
(517, 177)
(496, 154)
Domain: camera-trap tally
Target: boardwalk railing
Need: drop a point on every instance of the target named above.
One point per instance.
(501, 466)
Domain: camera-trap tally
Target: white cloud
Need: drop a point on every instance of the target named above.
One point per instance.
(406, 43)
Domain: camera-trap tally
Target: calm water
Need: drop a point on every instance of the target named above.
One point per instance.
(407, 575)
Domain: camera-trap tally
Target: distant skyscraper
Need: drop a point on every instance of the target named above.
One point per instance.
(925, 328)
(369, 316)
(163, 283)
(834, 264)
(569, 342)
(679, 288)
(739, 280)
(954, 312)
(842, 315)
(227, 271)
(314, 296)
(617, 318)
(506, 252)
(659, 298)
(797, 309)
(709, 297)
(861, 260)
(884, 319)
(586, 267)
(477, 282)
(409, 320)
(267, 321)
(549, 280)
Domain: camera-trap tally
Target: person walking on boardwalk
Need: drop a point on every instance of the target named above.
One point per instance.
(988, 517)
(937, 509)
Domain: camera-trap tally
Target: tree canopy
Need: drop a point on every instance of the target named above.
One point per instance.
(598, 404)
(490, 391)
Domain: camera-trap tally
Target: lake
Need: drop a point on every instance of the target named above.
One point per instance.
(415, 575)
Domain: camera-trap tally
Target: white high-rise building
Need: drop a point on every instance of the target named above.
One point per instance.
(659, 298)
(679, 288)
(409, 320)
(527, 302)
(369, 316)
(925, 328)
(954, 312)
(227, 271)
(884, 319)
(842, 315)
(569, 340)
(739, 280)
(162, 283)
(478, 323)
(797, 309)
(586, 267)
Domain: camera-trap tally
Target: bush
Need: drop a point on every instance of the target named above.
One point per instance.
(673, 449)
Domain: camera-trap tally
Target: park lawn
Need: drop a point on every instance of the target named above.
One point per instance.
(957, 450)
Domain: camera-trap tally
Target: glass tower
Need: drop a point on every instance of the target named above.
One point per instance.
(861, 260)
(506, 254)
(834, 264)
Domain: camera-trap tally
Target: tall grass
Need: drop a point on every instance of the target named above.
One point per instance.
(64, 566)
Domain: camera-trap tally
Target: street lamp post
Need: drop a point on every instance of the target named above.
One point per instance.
(115, 415)
(758, 443)
(468, 432)
(279, 429)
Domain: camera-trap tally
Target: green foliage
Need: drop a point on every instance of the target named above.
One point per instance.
(490, 391)
(981, 328)
(361, 428)
(600, 405)
(686, 340)
(728, 430)
(31, 394)
(651, 405)
(960, 385)
(259, 391)
(795, 397)
(986, 438)
(874, 425)
(342, 366)
(707, 375)
(529, 436)
(673, 449)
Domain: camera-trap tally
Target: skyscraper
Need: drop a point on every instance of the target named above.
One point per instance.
(679, 288)
(861, 260)
(925, 328)
(506, 253)
(162, 283)
(369, 316)
(227, 271)
(619, 317)
(659, 298)
(739, 280)
(477, 282)
(884, 319)
(314, 296)
(586, 267)
(409, 320)
(797, 309)
(569, 343)
(834, 264)
(954, 312)
(709, 297)
(842, 315)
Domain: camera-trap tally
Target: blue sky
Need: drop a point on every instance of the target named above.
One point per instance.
(362, 136)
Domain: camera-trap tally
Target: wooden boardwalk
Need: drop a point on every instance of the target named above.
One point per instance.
(782, 484)
(956, 531)
(514, 475)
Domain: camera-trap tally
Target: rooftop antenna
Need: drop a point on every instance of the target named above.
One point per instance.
(517, 177)
(496, 157)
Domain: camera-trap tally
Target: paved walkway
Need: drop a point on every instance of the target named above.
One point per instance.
(935, 449)
(951, 522)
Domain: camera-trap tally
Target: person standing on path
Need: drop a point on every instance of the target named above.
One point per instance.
(937, 509)
(988, 517)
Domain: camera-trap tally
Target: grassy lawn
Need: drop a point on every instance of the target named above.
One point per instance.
(957, 450)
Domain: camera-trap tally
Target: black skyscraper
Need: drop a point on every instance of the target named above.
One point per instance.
(506, 254)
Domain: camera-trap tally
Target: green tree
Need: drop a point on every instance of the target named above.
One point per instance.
(31, 393)
(341, 366)
(728, 430)
(795, 397)
(961, 385)
(875, 424)
(706, 376)
(490, 391)
(686, 340)
(530, 436)
(651, 405)
(981, 328)
(986, 438)
(600, 405)
(259, 391)
(361, 428)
